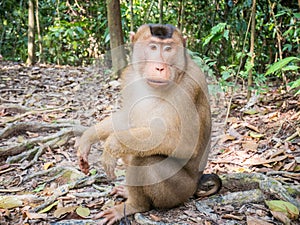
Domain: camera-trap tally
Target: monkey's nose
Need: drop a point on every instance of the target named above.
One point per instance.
(160, 69)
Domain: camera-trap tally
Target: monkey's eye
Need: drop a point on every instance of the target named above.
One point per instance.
(153, 46)
(167, 48)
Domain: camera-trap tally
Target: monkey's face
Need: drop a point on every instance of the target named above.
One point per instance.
(159, 59)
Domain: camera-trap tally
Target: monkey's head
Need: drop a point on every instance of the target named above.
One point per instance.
(158, 54)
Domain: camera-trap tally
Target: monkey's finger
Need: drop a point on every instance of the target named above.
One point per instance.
(120, 191)
(84, 165)
(108, 217)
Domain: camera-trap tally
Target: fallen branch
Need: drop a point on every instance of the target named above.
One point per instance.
(266, 184)
(61, 136)
(64, 189)
(17, 149)
(33, 112)
(38, 127)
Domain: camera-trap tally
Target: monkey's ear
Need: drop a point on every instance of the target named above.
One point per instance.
(131, 33)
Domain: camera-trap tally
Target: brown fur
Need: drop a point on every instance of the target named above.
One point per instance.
(163, 129)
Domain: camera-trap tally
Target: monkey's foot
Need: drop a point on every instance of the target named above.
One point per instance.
(110, 216)
(120, 191)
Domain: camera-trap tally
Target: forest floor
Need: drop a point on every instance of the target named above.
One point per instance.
(43, 108)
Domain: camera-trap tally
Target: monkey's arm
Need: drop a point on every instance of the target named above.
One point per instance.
(144, 141)
(92, 135)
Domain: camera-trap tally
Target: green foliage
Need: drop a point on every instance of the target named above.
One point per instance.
(285, 65)
(76, 33)
(217, 33)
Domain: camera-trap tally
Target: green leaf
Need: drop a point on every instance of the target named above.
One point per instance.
(278, 65)
(287, 208)
(295, 84)
(83, 212)
(290, 68)
(39, 188)
(297, 15)
(9, 202)
(48, 208)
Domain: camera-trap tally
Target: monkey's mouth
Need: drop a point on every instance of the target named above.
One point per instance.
(157, 82)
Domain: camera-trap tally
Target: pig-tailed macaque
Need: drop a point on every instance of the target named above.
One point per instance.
(163, 129)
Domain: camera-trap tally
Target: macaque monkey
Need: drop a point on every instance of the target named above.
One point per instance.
(163, 129)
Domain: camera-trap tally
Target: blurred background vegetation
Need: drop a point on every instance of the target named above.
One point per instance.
(76, 33)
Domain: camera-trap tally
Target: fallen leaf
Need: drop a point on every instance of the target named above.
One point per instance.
(230, 216)
(47, 165)
(63, 210)
(40, 187)
(260, 161)
(83, 211)
(31, 215)
(48, 208)
(9, 202)
(281, 217)
(255, 221)
(155, 218)
(250, 146)
(108, 204)
(251, 111)
(251, 127)
(256, 135)
(290, 210)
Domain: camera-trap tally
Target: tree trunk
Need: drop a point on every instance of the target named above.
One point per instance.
(116, 35)
(31, 54)
(38, 31)
(180, 15)
(131, 15)
(250, 77)
(161, 11)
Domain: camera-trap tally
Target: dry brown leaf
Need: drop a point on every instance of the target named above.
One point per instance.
(155, 218)
(248, 125)
(63, 210)
(225, 138)
(281, 217)
(290, 166)
(260, 161)
(250, 146)
(36, 215)
(255, 221)
(230, 216)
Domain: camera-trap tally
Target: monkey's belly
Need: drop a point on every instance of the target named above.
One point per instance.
(163, 180)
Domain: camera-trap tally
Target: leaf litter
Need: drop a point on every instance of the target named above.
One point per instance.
(43, 108)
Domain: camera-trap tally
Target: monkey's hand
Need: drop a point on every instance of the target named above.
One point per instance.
(109, 164)
(83, 150)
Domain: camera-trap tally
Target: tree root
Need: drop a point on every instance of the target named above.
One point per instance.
(64, 189)
(269, 186)
(249, 188)
(26, 149)
(23, 127)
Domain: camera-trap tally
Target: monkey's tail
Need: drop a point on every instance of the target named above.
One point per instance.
(208, 184)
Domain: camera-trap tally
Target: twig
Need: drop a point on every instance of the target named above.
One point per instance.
(64, 189)
(33, 112)
(239, 69)
(297, 133)
(37, 127)
(16, 149)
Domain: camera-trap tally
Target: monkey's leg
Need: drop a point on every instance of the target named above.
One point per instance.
(136, 202)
